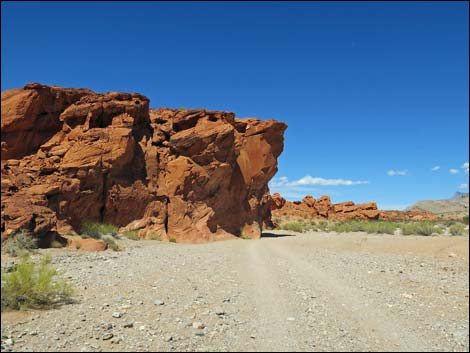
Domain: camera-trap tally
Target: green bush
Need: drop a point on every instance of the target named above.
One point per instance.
(19, 243)
(33, 286)
(155, 236)
(457, 229)
(364, 226)
(420, 228)
(97, 230)
(294, 227)
(465, 219)
(322, 225)
(381, 227)
(111, 243)
(130, 234)
(172, 240)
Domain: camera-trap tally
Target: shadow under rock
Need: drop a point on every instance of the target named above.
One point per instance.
(275, 235)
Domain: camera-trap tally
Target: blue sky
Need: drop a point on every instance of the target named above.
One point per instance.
(375, 94)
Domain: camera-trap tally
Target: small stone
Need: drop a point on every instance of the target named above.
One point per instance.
(117, 314)
(407, 296)
(168, 338)
(451, 254)
(159, 302)
(290, 319)
(116, 340)
(107, 336)
(9, 341)
(128, 324)
(198, 325)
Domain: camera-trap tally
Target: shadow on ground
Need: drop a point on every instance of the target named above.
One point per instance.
(273, 235)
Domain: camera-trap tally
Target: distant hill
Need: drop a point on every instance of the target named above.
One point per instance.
(456, 206)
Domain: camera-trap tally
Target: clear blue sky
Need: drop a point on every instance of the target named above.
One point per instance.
(366, 88)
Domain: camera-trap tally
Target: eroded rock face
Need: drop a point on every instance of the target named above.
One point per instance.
(191, 175)
(323, 208)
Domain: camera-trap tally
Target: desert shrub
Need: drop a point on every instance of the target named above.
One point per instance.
(381, 227)
(457, 229)
(130, 234)
(78, 246)
(154, 236)
(340, 227)
(111, 243)
(32, 285)
(465, 219)
(172, 240)
(19, 243)
(448, 223)
(420, 228)
(97, 230)
(364, 226)
(294, 227)
(322, 225)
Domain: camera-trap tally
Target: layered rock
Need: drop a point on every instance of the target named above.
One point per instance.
(324, 208)
(191, 175)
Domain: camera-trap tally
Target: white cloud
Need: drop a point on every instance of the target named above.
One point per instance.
(435, 168)
(308, 180)
(454, 171)
(465, 167)
(392, 172)
(463, 186)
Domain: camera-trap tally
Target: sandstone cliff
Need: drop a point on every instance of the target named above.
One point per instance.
(324, 208)
(72, 155)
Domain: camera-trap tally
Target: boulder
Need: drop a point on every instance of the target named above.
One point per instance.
(189, 175)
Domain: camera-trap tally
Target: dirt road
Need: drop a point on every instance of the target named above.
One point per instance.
(311, 292)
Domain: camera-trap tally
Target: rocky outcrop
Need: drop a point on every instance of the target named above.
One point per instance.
(72, 155)
(324, 208)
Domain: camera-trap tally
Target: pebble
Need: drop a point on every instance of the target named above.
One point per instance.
(128, 324)
(198, 325)
(117, 314)
(159, 302)
(107, 336)
(9, 341)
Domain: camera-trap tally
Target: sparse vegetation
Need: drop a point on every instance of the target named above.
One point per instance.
(111, 243)
(299, 227)
(425, 228)
(465, 219)
(420, 228)
(32, 285)
(130, 234)
(154, 236)
(105, 232)
(381, 227)
(457, 229)
(20, 243)
(97, 230)
(172, 240)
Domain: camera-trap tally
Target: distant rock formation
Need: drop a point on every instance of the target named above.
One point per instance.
(454, 207)
(72, 155)
(309, 207)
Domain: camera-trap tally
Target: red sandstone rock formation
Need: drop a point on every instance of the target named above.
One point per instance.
(323, 208)
(71, 155)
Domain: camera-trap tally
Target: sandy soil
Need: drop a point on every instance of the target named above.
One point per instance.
(309, 292)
